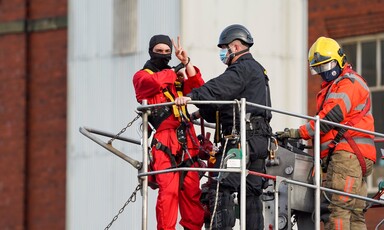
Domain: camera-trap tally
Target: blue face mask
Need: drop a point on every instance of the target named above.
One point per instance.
(331, 74)
(223, 55)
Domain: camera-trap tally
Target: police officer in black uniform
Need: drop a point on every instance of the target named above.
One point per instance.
(244, 78)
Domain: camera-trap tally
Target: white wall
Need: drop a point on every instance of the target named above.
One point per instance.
(101, 96)
(279, 30)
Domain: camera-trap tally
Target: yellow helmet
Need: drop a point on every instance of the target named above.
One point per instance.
(325, 50)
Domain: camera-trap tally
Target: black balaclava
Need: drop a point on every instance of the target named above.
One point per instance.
(331, 74)
(159, 61)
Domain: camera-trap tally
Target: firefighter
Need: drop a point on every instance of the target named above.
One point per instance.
(347, 155)
(174, 143)
(244, 78)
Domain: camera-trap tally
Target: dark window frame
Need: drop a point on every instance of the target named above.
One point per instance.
(377, 89)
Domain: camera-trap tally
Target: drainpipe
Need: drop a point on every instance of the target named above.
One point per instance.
(27, 69)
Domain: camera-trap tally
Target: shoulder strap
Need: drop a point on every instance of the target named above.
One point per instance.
(148, 71)
(179, 90)
(357, 118)
(171, 98)
(351, 123)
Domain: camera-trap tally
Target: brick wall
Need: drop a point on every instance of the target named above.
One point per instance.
(33, 96)
(12, 134)
(338, 19)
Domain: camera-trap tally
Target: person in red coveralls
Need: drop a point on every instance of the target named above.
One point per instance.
(174, 142)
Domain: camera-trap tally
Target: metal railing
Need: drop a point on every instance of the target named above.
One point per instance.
(143, 166)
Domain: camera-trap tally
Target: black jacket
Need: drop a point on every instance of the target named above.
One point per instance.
(245, 78)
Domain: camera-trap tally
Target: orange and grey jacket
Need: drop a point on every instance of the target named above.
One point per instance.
(340, 101)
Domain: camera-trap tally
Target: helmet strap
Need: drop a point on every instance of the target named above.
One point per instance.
(232, 55)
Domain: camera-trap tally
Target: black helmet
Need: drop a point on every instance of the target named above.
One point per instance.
(234, 32)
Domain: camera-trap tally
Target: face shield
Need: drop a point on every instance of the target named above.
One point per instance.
(323, 67)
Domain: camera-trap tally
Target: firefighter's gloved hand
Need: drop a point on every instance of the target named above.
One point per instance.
(288, 133)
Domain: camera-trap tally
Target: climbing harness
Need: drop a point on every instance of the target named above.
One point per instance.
(345, 133)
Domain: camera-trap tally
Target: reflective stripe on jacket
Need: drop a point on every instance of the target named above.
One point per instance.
(339, 101)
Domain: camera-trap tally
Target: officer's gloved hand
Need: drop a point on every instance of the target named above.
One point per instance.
(288, 133)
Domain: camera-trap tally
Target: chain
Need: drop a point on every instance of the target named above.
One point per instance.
(123, 130)
(234, 131)
(131, 198)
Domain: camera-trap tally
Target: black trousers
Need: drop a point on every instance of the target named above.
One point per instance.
(258, 150)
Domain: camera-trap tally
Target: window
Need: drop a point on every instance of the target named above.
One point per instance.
(366, 55)
(124, 27)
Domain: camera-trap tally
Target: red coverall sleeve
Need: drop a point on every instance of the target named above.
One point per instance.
(193, 82)
(148, 84)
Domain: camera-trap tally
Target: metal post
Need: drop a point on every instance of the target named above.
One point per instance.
(145, 169)
(243, 165)
(317, 173)
(277, 184)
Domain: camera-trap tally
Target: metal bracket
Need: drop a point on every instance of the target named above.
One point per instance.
(88, 132)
